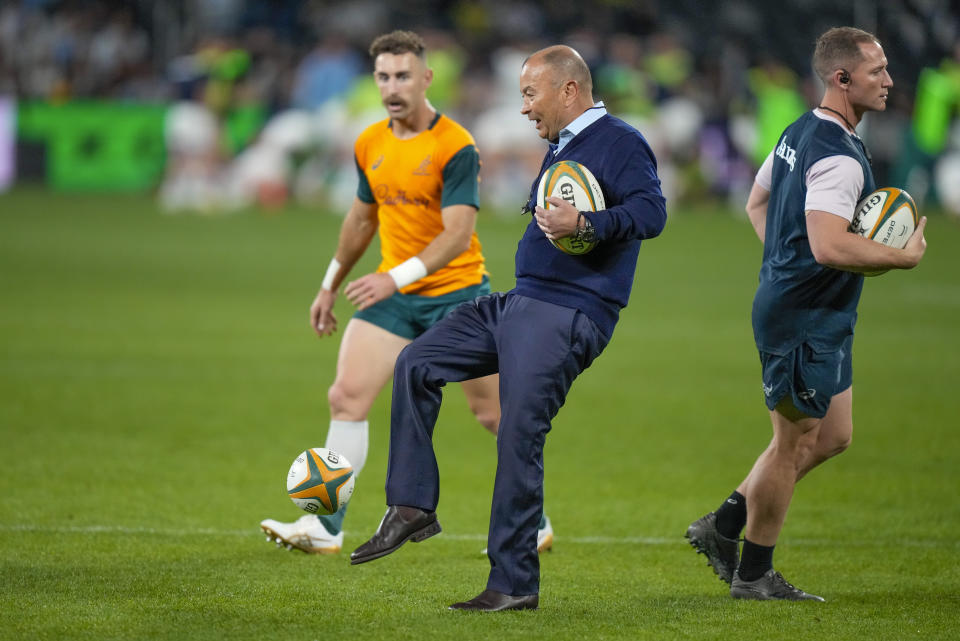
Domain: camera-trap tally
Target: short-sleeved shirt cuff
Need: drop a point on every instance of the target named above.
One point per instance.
(461, 179)
(364, 192)
(834, 184)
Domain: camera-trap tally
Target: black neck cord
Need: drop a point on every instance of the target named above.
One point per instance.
(825, 108)
(854, 130)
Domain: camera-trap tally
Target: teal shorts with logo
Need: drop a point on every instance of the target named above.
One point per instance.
(409, 315)
(810, 375)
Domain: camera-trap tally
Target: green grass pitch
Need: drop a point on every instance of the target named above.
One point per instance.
(157, 377)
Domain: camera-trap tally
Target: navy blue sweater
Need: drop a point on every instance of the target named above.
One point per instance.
(598, 283)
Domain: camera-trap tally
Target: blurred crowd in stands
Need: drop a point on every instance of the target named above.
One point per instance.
(710, 84)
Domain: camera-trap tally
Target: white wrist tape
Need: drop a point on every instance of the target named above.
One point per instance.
(409, 271)
(330, 275)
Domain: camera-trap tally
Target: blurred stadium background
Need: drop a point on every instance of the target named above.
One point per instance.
(225, 104)
(157, 373)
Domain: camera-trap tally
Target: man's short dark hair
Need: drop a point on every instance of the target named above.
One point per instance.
(399, 42)
(839, 48)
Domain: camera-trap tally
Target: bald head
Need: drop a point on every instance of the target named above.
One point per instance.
(563, 64)
(556, 87)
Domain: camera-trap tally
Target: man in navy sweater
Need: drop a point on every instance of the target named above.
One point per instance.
(539, 336)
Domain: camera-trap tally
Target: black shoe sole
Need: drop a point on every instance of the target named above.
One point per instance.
(701, 548)
(513, 608)
(423, 533)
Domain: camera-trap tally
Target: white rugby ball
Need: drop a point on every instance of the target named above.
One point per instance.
(320, 481)
(574, 183)
(888, 216)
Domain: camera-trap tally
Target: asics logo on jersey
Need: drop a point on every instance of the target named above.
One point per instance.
(807, 395)
(422, 169)
(377, 162)
(789, 154)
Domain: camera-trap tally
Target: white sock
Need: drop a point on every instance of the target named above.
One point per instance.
(352, 439)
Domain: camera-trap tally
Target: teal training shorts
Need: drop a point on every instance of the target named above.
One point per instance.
(409, 315)
(810, 376)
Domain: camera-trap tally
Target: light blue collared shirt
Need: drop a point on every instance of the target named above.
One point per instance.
(579, 123)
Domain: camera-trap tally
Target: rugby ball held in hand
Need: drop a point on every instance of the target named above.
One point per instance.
(574, 183)
(887, 215)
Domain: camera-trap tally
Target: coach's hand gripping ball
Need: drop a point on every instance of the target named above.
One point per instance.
(574, 183)
(320, 481)
(888, 216)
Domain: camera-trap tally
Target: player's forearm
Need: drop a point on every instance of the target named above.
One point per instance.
(757, 210)
(445, 247)
(851, 252)
(356, 233)
(833, 245)
(353, 243)
(345, 257)
(759, 221)
(459, 222)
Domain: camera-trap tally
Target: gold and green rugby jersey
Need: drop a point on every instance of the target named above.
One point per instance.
(411, 181)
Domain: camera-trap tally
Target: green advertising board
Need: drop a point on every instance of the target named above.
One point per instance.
(110, 146)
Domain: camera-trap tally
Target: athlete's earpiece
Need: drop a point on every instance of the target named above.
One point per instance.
(844, 77)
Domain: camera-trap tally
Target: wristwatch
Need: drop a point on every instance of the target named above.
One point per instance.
(587, 234)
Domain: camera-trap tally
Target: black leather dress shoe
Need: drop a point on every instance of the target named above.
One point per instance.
(492, 601)
(399, 525)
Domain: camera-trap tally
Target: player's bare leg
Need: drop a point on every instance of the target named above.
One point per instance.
(483, 397)
(836, 432)
(773, 477)
(833, 437)
(364, 366)
(769, 488)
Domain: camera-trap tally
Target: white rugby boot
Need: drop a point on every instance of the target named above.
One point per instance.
(306, 533)
(544, 536)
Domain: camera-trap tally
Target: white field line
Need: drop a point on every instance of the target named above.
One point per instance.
(578, 540)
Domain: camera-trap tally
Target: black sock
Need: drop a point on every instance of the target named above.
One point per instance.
(755, 560)
(732, 516)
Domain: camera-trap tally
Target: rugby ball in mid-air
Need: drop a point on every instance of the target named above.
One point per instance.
(888, 216)
(574, 183)
(320, 481)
